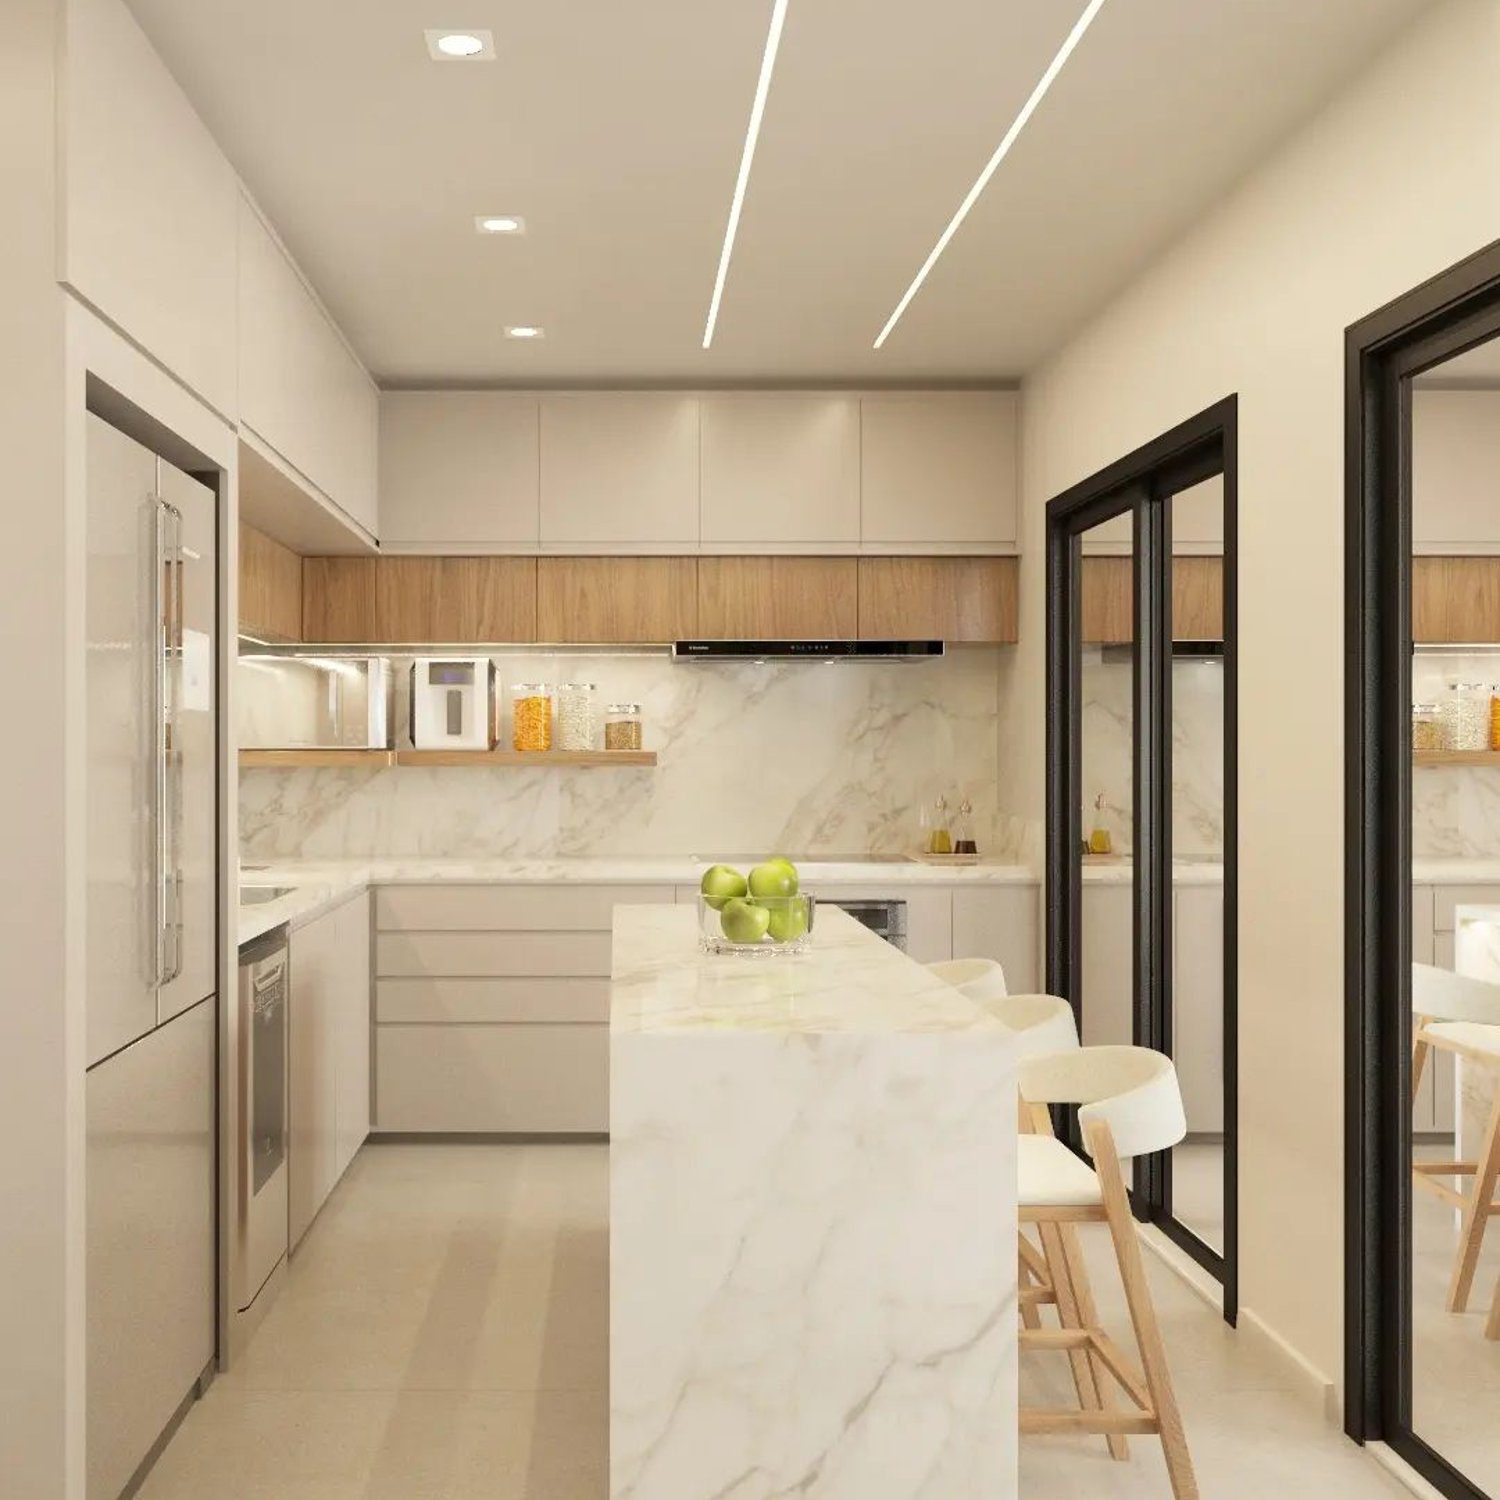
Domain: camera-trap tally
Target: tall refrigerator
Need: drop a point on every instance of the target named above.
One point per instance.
(151, 924)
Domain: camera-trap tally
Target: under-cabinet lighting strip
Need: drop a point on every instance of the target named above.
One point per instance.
(747, 156)
(1001, 152)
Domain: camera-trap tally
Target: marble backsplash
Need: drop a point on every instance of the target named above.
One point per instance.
(1455, 809)
(803, 757)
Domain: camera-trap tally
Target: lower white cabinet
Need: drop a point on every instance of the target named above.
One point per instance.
(1003, 922)
(328, 1063)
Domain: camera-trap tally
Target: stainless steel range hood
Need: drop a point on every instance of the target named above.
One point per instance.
(806, 650)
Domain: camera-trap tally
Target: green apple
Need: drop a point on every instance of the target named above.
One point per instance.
(777, 877)
(744, 922)
(788, 919)
(720, 883)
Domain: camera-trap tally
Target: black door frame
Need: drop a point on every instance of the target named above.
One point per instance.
(1444, 316)
(1204, 445)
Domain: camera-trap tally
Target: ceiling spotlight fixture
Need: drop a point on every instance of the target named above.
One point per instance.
(747, 156)
(1001, 152)
(500, 224)
(525, 331)
(460, 46)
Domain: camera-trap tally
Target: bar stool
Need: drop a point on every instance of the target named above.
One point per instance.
(981, 979)
(1459, 1014)
(1130, 1105)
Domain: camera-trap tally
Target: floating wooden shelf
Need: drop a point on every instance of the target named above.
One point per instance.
(526, 757)
(1456, 758)
(290, 758)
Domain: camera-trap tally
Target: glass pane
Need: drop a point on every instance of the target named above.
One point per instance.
(1197, 731)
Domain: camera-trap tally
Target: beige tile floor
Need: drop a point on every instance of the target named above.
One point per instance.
(442, 1336)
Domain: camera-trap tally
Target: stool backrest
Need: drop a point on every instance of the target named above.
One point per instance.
(980, 979)
(1132, 1090)
(1446, 996)
(1042, 1023)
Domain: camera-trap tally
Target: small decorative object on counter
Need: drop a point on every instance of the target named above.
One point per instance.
(940, 835)
(622, 726)
(576, 715)
(1427, 733)
(1466, 716)
(531, 716)
(1100, 841)
(963, 829)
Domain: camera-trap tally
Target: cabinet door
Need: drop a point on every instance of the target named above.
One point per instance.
(1455, 599)
(312, 1076)
(1108, 935)
(1108, 601)
(1197, 599)
(938, 468)
(780, 471)
(601, 600)
(456, 599)
(778, 598)
(1455, 439)
(619, 469)
(1003, 923)
(270, 587)
(338, 599)
(458, 469)
(962, 600)
(1198, 1004)
(352, 1040)
(150, 205)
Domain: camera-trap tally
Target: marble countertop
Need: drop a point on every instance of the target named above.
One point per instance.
(1456, 871)
(848, 981)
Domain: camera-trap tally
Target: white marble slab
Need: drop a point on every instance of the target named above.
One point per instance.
(812, 1231)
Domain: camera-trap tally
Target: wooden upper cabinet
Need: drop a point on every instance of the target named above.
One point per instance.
(1197, 599)
(338, 599)
(270, 587)
(1108, 603)
(778, 598)
(962, 600)
(1455, 600)
(1455, 437)
(939, 468)
(601, 600)
(459, 469)
(779, 472)
(619, 469)
(452, 599)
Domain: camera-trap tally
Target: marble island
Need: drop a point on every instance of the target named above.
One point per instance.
(812, 1223)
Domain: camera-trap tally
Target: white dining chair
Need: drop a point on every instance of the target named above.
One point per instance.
(1459, 1014)
(981, 979)
(1129, 1105)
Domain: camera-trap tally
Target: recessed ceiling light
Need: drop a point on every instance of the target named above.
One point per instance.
(500, 224)
(1001, 152)
(747, 156)
(460, 46)
(525, 331)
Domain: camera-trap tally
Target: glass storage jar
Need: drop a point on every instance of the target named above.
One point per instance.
(531, 716)
(576, 715)
(1466, 716)
(622, 726)
(1427, 731)
(1495, 716)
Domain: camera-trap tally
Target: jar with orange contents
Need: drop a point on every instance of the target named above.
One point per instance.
(531, 716)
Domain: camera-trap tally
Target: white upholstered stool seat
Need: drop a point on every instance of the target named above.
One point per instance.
(1469, 1038)
(981, 979)
(1048, 1175)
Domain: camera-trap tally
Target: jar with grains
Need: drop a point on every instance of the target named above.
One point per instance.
(575, 715)
(622, 726)
(1466, 716)
(531, 716)
(1427, 728)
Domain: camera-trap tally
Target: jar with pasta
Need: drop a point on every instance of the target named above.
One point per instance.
(1466, 716)
(576, 715)
(1427, 729)
(622, 726)
(531, 716)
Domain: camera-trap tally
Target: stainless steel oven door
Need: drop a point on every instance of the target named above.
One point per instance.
(885, 918)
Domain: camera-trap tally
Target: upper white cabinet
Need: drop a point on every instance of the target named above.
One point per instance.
(150, 203)
(619, 469)
(458, 470)
(1455, 456)
(939, 468)
(301, 391)
(780, 472)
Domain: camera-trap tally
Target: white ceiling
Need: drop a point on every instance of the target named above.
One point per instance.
(615, 129)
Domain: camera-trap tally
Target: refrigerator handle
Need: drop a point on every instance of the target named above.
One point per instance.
(172, 764)
(160, 637)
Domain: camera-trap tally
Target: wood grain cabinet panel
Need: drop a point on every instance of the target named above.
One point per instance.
(270, 587)
(962, 600)
(1197, 599)
(778, 598)
(601, 600)
(338, 599)
(1455, 599)
(1108, 603)
(456, 599)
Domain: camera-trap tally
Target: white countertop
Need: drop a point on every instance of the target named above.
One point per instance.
(1455, 871)
(849, 980)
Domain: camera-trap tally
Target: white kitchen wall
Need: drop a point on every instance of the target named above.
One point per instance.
(802, 757)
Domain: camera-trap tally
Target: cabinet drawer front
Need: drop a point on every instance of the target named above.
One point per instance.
(1446, 897)
(500, 1078)
(446, 1001)
(478, 955)
(509, 908)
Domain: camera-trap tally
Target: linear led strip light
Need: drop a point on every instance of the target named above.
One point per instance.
(747, 156)
(1001, 152)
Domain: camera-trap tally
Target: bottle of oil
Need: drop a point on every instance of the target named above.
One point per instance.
(1099, 838)
(939, 834)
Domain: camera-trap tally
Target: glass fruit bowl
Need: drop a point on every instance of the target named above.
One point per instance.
(760, 926)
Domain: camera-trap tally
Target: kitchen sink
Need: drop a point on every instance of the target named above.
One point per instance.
(258, 895)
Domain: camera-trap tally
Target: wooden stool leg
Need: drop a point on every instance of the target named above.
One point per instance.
(1083, 1300)
(1419, 1052)
(1030, 1316)
(1492, 1327)
(1476, 1213)
(1085, 1381)
(1143, 1314)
